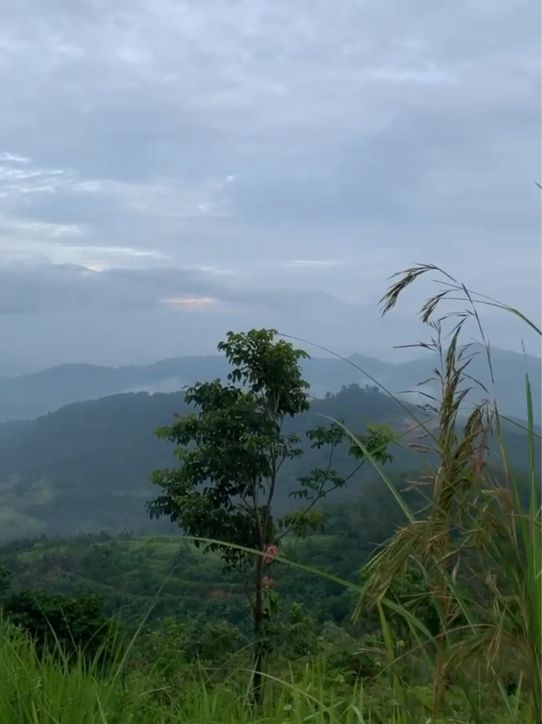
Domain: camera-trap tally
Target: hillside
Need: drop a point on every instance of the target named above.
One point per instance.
(168, 576)
(86, 466)
(30, 396)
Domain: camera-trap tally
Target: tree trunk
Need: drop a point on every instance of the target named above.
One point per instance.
(259, 643)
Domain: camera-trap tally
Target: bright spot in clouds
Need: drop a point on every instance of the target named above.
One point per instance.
(190, 302)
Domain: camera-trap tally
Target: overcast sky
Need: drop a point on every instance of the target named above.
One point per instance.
(172, 169)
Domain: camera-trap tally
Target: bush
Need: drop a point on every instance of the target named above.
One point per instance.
(176, 647)
(349, 657)
(65, 624)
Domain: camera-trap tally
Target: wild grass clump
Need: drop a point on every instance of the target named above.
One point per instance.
(42, 689)
(478, 549)
(49, 688)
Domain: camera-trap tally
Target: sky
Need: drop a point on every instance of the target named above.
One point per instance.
(172, 169)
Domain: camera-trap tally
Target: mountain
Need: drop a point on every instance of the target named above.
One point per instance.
(86, 466)
(508, 368)
(29, 396)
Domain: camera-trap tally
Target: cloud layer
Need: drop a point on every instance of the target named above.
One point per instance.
(278, 160)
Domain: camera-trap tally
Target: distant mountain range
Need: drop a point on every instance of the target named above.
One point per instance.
(32, 395)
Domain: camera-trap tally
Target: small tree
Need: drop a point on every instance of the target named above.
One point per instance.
(231, 451)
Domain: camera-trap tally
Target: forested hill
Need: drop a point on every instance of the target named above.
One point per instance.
(30, 396)
(86, 467)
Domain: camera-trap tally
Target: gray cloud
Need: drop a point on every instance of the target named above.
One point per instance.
(38, 288)
(281, 159)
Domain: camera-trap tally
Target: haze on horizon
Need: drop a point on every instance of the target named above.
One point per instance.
(170, 170)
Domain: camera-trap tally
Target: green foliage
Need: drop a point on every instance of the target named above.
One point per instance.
(268, 368)
(231, 448)
(292, 633)
(43, 688)
(322, 481)
(302, 522)
(72, 624)
(175, 646)
(171, 578)
(5, 580)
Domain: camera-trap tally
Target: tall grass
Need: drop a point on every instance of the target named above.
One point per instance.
(47, 688)
(479, 551)
(44, 689)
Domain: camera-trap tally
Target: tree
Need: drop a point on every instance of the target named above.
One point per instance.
(231, 450)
